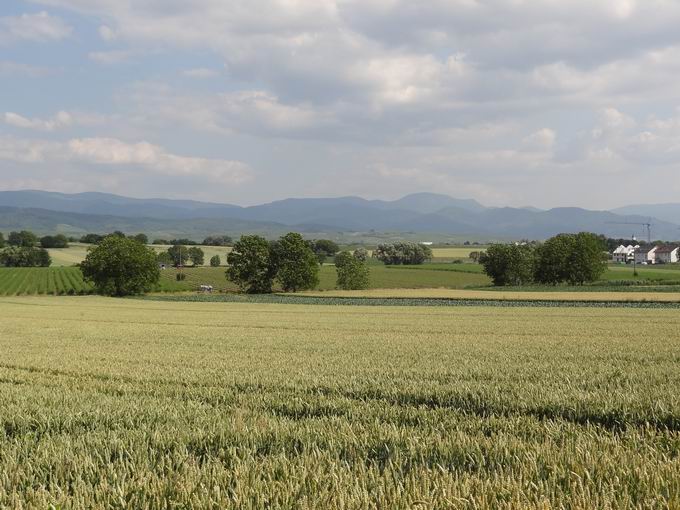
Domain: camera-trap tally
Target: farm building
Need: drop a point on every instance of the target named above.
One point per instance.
(667, 254)
(624, 254)
(645, 255)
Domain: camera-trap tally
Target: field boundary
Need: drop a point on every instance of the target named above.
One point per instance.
(405, 301)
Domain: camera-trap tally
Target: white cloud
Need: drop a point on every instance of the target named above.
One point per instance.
(37, 27)
(61, 119)
(114, 152)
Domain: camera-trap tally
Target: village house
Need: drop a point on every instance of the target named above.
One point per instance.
(667, 254)
(645, 255)
(624, 254)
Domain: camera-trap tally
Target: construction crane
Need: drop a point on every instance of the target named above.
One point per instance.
(647, 225)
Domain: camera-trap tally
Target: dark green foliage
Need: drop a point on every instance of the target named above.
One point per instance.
(403, 253)
(179, 254)
(297, 264)
(215, 261)
(119, 266)
(474, 256)
(160, 242)
(2, 240)
(180, 277)
(117, 233)
(323, 249)
(24, 239)
(509, 264)
(91, 238)
(58, 241)
(251, 265)
(141, 238)
(353, 273)
(217, 241)
(196, 255)
(572, 258)
(20, 256)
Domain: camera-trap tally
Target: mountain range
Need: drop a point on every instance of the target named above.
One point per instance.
(419, 213)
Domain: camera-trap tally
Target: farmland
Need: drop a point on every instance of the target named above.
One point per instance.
(129, 403)
(42, 280)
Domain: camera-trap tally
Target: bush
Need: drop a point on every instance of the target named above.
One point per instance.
(180, 277)
(353, 274)
(215, 261)
(403, 253)
(119, 266)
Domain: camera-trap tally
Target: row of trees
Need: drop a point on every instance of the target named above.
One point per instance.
(21, 256)
(566, 258)
(27, 239)
(255, 263)
(403, 253)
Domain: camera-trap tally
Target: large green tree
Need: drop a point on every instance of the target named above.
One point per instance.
(509, 264)
(353, 273)
(179, 254)
(251, 265)
(119, 266)
(571, 258)
(196, 255)
(297, 264)
(2, 240)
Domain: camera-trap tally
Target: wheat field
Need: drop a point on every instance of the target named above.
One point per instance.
(143, 404)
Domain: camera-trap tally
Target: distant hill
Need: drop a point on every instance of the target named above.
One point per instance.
(665, 212)
(420, 213)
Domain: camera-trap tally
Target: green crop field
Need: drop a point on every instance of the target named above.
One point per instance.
(42, 280)
(147, 404)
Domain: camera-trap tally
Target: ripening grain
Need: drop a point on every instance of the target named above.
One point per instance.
(136, 404)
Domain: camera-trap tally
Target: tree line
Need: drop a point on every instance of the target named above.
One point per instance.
(24, 249)
(565, 258)
(120, 265)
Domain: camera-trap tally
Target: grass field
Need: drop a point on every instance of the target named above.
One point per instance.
(380, 277)
(147, 404)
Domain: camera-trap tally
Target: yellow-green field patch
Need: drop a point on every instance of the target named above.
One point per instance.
(141, 404)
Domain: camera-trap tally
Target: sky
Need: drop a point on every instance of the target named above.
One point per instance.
(510, 102)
